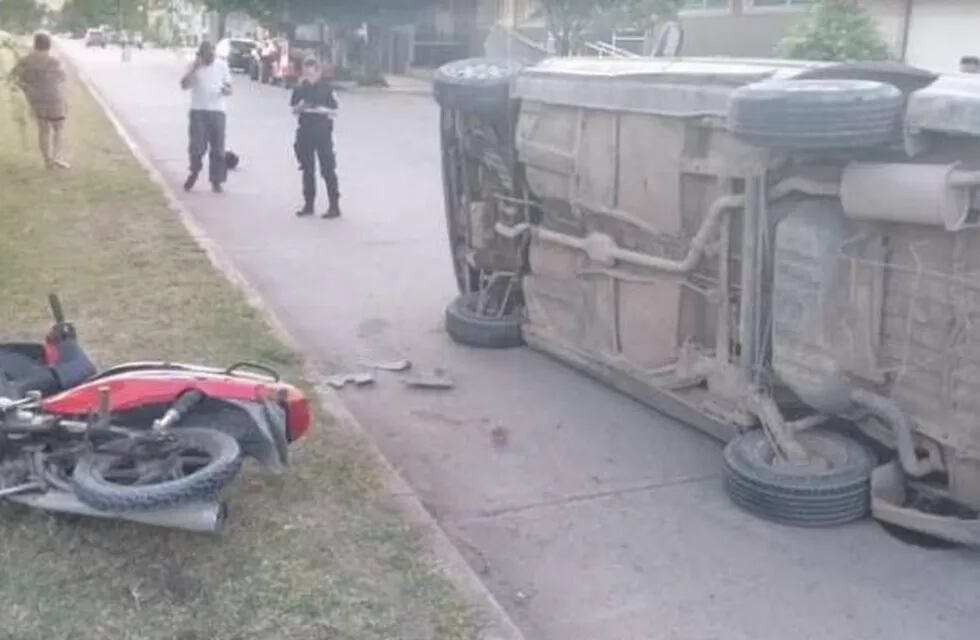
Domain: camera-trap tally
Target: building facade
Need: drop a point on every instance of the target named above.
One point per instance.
(933, 34)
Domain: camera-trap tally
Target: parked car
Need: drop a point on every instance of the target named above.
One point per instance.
(783, 254)
(240, 54)
(95, 38)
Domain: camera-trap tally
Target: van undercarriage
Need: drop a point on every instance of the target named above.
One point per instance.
(785, 255)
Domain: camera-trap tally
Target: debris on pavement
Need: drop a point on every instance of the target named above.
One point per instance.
(391, 365)
(523, 597)
(435, 380)
(360, 379)
(500, 436)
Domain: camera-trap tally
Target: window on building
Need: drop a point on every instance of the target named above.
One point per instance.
(707, 5)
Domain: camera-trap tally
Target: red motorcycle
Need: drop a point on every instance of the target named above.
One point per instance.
(151, 442)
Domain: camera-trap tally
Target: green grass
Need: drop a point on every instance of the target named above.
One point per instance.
(316, 553)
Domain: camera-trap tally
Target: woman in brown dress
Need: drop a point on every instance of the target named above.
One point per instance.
(42, 78)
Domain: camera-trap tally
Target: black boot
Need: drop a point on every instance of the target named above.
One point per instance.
(191, 181)
(307, 210)
(334, 210)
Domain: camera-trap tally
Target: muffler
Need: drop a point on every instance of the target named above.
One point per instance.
(937, 195)
(200, 517)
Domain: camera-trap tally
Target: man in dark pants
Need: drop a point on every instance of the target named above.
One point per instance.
(315, 106)
(209, 81)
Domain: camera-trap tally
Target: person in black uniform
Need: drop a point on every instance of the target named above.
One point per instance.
(315, 106)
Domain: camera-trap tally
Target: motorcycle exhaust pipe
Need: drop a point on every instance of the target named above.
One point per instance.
(199, 517)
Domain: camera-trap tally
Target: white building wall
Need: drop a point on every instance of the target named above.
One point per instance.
(943, 31)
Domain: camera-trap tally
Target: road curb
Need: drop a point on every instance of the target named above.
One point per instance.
(448, 559)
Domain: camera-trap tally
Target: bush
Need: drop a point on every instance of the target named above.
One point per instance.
(359, 74)
(370, 77)
(835, 30)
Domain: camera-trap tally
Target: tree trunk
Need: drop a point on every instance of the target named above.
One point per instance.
(564, 43)
(373, 62)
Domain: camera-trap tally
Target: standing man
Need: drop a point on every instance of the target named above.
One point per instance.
(42, 79)
(315, 106)
(209, 81)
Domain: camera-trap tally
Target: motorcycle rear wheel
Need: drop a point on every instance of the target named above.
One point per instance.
(208, 461)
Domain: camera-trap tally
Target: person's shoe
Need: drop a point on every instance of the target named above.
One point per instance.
(305, 211)
(58, 163)
(332, 212)
(217, 188)
(191, 181)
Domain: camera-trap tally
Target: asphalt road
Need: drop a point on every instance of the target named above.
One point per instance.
(589, 516)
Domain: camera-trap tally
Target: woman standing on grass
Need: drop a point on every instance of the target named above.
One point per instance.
(42, 78)
(209, 81)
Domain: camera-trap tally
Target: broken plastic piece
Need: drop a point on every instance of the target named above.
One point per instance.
(340, 380)
(430, 381)
(393, 365)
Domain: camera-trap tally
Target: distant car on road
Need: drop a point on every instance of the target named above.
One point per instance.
(240, 54)
(95, 38)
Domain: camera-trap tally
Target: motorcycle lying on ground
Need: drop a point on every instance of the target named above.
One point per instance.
(149, 442)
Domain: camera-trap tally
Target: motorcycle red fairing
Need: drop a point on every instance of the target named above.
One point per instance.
(246, 401)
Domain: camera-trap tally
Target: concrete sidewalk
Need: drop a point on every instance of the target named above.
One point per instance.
(410, 84)
(404, 84)
(589, 516)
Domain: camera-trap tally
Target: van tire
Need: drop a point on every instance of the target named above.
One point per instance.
(801, 497)
(473, 329)
(816, 114)
(475, 85)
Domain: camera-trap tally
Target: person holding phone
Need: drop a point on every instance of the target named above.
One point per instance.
(209, 81)
(315, 106)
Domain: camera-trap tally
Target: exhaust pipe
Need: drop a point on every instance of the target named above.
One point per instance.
(200, 517)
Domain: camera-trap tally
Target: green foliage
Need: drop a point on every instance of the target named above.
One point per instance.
(20, 16)
(340, 13)
(835, 30)
(78, 15)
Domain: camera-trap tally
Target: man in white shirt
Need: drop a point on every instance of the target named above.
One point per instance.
(209, 81)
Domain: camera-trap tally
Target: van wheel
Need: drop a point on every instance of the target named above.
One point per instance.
(834, 489)
(816, 114)
(468, 325)
(475, 85)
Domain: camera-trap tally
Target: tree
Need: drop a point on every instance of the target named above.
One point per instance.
(835, 30)
(20, 16)
(77, 15)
